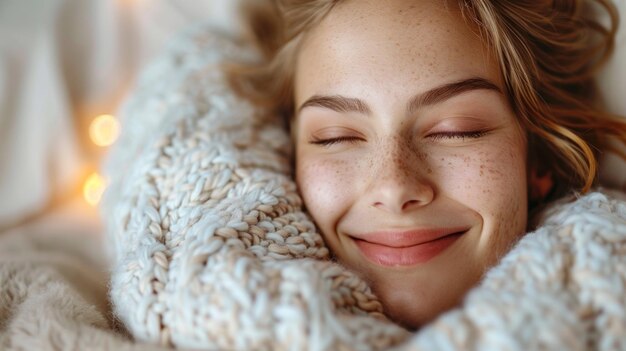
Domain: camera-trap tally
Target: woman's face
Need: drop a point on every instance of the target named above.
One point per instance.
(408, 156)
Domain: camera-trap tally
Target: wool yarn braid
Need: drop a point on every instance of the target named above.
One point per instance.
(210, 247)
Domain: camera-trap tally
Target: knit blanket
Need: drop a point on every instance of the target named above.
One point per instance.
(53, 291)
(211, 247)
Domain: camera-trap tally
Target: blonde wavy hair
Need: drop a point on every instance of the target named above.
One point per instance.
(548, 52)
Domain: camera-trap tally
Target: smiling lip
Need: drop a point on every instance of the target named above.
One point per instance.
(389, 248)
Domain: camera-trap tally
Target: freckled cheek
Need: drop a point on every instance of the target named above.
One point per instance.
(480, 174)
(325, 188)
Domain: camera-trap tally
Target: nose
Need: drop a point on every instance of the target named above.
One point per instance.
(399, 183)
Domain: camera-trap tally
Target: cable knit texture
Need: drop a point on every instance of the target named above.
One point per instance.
(211, 248)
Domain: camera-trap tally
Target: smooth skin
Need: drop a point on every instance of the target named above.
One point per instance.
(431, 142)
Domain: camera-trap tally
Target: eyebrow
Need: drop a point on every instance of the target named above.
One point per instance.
(433, 96)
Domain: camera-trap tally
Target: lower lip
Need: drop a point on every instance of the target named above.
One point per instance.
(405, 256)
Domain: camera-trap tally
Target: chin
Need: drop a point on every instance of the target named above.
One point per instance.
(411, 311)
(415, 302)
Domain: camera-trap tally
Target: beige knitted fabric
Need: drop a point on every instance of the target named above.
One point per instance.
(211, 249)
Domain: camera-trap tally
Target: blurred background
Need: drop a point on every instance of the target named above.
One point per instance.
(65, 67)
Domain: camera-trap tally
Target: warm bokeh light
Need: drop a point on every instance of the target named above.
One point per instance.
(93, 189)
(104, 130)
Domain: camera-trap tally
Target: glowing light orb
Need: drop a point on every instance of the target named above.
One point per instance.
(93, 189)
(104, 130)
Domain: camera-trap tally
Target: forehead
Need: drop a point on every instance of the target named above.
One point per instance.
(389, 44)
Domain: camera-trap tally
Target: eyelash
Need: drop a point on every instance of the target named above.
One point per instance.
(458, 135)
(437, 136)
(332, 141)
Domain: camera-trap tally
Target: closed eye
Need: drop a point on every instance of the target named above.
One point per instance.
(457, 135)
(434, 136)
(332, 141)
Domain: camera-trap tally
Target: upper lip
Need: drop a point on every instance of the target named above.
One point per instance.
(407, 238)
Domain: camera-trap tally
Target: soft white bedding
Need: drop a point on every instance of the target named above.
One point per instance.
(53, 285)
(63, 62)
(611, 82)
